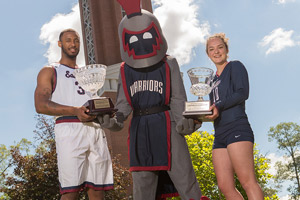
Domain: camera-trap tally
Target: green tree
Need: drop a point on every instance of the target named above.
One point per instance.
(287, 137)
(36, 176)
(200, 146)
(4, 162)
(7, 162)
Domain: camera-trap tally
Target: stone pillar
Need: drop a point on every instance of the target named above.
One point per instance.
(100, 20)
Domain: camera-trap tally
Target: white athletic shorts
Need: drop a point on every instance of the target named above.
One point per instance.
(83, 157)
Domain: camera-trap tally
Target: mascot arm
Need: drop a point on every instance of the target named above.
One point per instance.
(111, 123)
(178, 95)
(122, 104)
(116, 122)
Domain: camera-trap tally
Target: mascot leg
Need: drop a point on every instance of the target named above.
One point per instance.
(144, 185)
(182, 172)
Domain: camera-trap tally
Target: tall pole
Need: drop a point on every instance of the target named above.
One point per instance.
(100, 20)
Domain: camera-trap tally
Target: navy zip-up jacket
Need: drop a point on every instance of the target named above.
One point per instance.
(231, 90)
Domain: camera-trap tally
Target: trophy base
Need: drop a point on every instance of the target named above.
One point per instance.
(197, 110)
(100, 106)
(200, 115)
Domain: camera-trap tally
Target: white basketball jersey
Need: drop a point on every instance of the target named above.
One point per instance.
(66, 90)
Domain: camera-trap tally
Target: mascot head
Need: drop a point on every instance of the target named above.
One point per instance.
(142, 43)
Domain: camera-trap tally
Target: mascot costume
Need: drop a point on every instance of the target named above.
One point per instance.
(151, 88)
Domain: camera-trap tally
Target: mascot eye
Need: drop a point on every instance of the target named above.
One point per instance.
(147, 35)
(133, 39)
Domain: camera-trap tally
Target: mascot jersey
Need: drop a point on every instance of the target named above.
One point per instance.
(151, 87)
(148, 89)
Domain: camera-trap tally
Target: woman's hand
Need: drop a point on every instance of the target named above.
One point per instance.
(215, 113)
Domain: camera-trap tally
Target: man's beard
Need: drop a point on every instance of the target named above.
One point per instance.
(72, 56)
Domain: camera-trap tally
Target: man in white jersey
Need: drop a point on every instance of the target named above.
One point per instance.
(82, 153)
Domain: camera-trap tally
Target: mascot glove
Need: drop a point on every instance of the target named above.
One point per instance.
(187, 126)
(110, 123)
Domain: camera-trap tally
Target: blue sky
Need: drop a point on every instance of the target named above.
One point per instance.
(264, 35)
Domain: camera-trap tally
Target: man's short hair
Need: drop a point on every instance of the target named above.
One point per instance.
(65, 31)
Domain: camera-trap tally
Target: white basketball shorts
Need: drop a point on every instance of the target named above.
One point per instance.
(83, 157)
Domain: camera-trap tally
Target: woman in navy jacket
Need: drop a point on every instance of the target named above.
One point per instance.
(234, 139)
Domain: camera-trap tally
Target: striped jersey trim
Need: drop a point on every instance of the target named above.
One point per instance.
(86, 184)
(67, 119)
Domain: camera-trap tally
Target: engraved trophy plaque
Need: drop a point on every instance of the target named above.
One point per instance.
(201, 79)
(91, 78)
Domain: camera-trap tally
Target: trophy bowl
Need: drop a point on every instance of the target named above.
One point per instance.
(91, 78)
(201, 80)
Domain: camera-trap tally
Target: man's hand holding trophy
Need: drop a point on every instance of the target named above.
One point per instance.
(91, 78)
(201, 80)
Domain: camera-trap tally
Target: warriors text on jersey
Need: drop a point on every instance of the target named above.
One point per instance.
(149, 134)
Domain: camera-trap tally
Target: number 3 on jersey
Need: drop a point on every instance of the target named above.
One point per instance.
(81, 90)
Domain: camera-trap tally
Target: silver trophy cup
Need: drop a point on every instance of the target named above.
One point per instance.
(201, 79)
(91, 78)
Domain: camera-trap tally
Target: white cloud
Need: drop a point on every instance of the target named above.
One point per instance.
(284, 1)
(275, 158)
(182, 29)
(51, 30)
(283, 195)
(278, 40)
(178, 19)
(287, 197)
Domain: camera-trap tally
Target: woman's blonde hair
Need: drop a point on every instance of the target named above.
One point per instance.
(220, 36)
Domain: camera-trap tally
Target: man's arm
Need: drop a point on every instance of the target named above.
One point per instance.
(44, 105)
